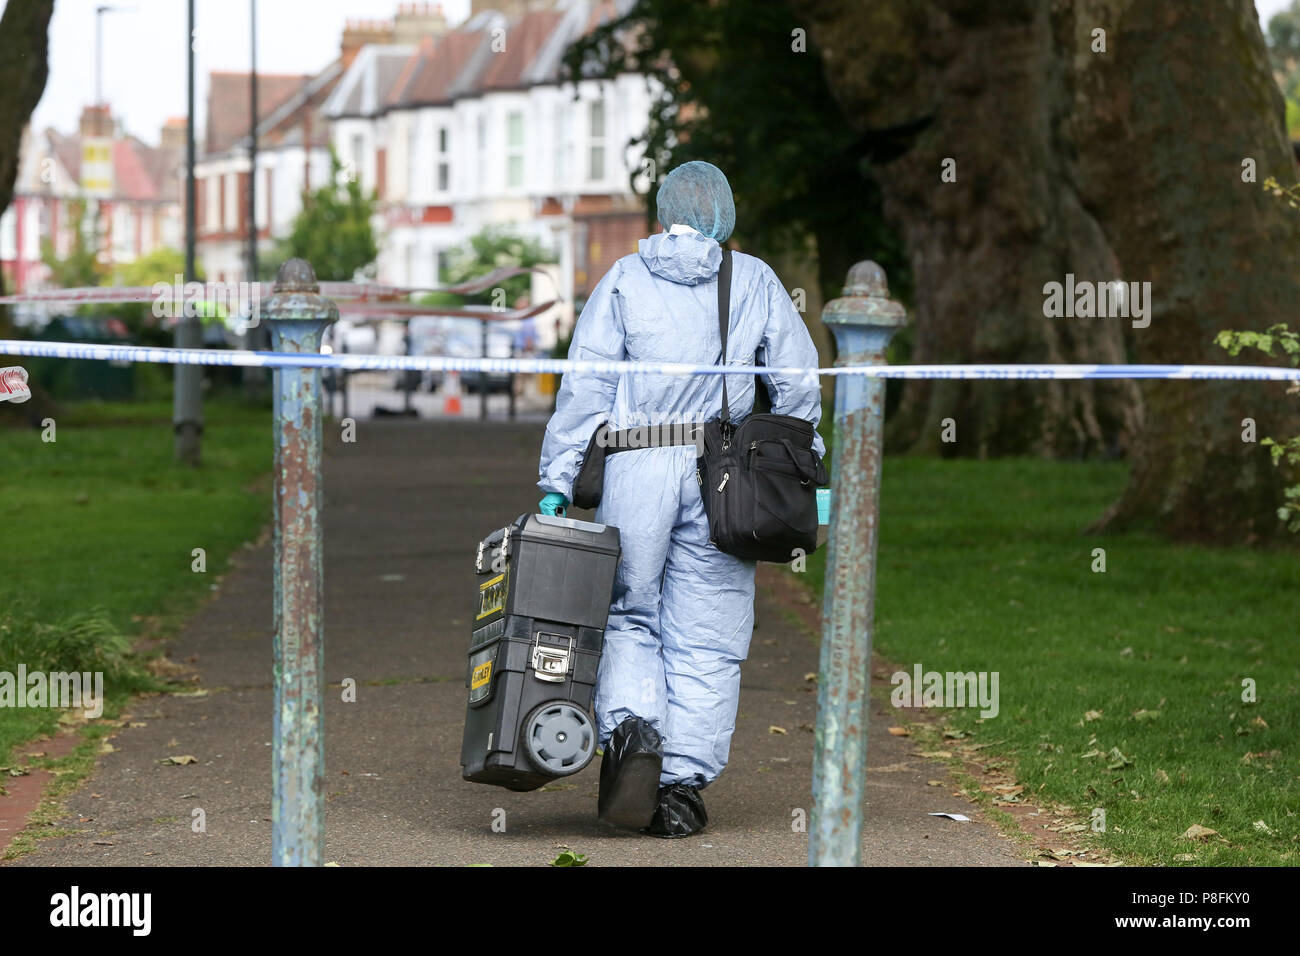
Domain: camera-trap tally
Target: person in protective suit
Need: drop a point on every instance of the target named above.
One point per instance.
(683, 611)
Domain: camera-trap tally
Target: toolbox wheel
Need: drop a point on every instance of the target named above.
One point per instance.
(560, 738)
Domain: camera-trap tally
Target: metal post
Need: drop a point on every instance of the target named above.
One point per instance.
(344, 373)
(863, 321)
(513, 354)
(297, 316)
(187, 394)
(409, 379)
(482, 377)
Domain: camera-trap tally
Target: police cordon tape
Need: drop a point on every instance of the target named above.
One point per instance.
(443, 363)
(178, 290)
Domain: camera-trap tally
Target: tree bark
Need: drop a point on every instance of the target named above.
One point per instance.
(1164, 122)
(987, 78)
(24, 67)
(1116, 165)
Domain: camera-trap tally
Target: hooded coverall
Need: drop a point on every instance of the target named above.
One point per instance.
(683, 611)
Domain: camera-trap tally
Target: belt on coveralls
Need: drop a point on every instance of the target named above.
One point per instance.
(653, 436)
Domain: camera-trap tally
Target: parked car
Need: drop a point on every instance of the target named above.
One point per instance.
(462, 337)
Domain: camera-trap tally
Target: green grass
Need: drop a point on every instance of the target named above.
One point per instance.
(983, 567)
(99, 527)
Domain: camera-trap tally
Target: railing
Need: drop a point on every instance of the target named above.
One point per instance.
(863, 320)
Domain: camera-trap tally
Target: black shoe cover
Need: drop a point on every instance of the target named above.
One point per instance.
(629, 775)
(680, 812)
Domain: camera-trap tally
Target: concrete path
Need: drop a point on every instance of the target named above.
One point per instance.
(405, 507)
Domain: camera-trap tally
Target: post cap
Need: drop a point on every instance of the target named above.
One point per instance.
(296, 275)
(296, 296)
(865, 300)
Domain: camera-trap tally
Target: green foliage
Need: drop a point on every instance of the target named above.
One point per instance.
(83, 641)
(1288, 345)
(491, 249)
(81, 266)
(733, 95)
(333, 230)
(1284, 54)
(569, 858)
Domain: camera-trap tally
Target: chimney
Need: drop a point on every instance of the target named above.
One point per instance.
(512, 9)
(416, 21)
(172, 135)
(358, 33)
(96, 121)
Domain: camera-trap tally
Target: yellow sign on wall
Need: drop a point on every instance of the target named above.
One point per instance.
(97, 167)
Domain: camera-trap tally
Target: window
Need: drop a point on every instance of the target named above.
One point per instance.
(412, 160)
(558, 139)
(481, 161)
(212, 203)
(596, 159)
(514, 149)
(231, 214)
(444, 261)
(358, 150)
(444, 159)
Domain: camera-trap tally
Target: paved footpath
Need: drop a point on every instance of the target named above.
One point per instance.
(405, 506)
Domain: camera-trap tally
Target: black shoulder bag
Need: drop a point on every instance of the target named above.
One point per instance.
(759, 479)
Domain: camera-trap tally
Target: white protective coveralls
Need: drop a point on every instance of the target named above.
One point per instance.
(683, 611)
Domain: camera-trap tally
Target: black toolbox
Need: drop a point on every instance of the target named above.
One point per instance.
(544, 590)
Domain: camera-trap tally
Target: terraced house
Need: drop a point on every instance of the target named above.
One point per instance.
(472, 128)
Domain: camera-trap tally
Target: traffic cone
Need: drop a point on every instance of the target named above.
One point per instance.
(451, 394)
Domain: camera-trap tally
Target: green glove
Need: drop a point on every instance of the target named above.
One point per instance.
(553, 504)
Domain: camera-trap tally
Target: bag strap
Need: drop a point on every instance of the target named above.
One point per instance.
(724, 321)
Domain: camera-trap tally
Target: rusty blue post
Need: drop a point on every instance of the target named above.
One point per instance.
(863, 321)
(297, 316)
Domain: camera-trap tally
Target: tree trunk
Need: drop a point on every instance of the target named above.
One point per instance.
(987, 78)
(24, 67)
(1116, 165)
(1166, 120)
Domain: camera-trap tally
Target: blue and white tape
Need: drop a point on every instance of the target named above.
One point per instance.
(443, 363)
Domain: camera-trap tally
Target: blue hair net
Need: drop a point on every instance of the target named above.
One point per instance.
(697, 194)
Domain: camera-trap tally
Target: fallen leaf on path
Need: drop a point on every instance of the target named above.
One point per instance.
(900, 732)
(569, 858)
(774, 729)
(180, 761)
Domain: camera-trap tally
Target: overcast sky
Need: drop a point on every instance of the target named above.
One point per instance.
(144, 50)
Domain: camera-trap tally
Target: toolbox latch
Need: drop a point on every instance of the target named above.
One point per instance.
(551, 663)
(500, 552)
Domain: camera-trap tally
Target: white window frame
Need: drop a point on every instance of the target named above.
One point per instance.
(442, 149)
(412, 154)
(514, 151)
(597, 154)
